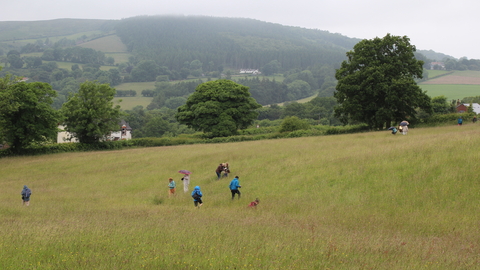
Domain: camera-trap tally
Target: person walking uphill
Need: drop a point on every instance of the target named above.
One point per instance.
(26, 192)
(219, 171)
(234, 186)
(197, 197)
(171, 187)
(186, 182)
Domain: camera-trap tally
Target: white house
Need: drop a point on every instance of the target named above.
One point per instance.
(124, 133)
(249, 71)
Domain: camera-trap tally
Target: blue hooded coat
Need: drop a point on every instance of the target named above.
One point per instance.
(235, 184)
(197, 190)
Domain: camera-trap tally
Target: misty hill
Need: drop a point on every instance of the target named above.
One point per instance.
(232, 42)
(51, 28)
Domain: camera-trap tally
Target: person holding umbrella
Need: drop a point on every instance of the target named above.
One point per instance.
(185, 179)
(404, 127)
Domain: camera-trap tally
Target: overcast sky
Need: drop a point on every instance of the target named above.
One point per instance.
(445, 26)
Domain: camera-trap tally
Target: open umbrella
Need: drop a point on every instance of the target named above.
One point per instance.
(184, 172)
(404, 123)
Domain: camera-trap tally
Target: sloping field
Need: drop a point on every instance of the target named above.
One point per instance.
(360, 201)
(108, 44)
(457, 77)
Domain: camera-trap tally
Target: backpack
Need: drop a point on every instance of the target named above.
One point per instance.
(28, 193)
(196, 196)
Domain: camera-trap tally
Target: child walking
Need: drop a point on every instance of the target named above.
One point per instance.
(171, 187)
(197, 197)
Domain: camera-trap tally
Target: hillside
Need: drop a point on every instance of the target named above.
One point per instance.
(334, 202)
(51, 28)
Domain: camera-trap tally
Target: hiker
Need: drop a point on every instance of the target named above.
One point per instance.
(186, 182)
(254, 203)
(393, 129)
(197, 197)
(474, 120)
(171, 187)
(460, 121)
(26, 193)
(219, 171)
(234, 186)
(403, 127)
(226, 170)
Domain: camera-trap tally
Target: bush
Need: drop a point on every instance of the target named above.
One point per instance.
(293, 123)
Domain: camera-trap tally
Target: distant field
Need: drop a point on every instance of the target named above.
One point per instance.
(451, 91)
(108, 44)
(137, 86)
(435, 73)
(458, 85)
(119, 57)
(129, 103)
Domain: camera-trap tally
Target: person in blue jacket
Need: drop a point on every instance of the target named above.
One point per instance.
(234, 186)
(460, 121)
(197, 197)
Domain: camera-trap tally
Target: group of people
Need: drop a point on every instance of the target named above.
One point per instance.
(172, 186)
(403, 128)
(222, 168)
(197, 194)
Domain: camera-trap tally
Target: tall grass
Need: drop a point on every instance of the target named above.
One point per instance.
(359, 201)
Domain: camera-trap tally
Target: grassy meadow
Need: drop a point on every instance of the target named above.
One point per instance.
(359, 201)
(451, 91)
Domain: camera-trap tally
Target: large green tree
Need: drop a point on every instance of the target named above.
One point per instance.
(90, 115)
(26, 114)
(219, 108)
(376, 84)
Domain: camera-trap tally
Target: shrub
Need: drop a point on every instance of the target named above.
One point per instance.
(293, 123)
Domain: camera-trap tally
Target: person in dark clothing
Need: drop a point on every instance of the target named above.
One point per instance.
(219, 171)
(26, 193)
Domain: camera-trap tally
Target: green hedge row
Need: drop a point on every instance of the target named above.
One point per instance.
(181, 140)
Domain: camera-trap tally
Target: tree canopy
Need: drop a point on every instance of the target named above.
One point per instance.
(219, 108)
(90, 115)
(26, 114)
(376, 84)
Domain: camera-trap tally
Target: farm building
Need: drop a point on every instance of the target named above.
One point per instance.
(463, 107)
(437, 65)
(124, 133)
(249, 71)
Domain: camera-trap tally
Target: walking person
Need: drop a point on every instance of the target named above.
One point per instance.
(474, 120)
(234, 186)
(171, 187)
(186, 182)
(197, 197)
(26, 193)
(219, 171)
(226, 170)
(460, 121)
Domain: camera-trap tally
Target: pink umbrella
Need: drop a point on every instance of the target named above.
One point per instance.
(184, 172)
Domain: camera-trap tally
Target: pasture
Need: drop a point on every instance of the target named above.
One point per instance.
(129, 103)
(458, 85)
(359, 201)
(451, 91)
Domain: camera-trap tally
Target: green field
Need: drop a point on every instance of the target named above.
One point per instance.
(107, 44)
(457, 91)
(129, 103)
(360, 201)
